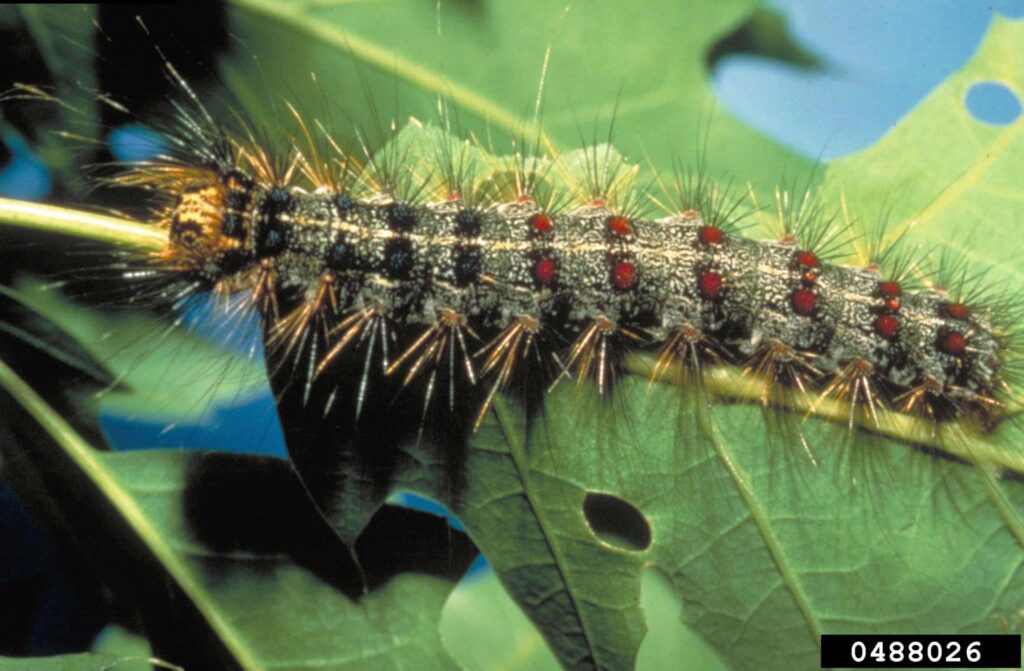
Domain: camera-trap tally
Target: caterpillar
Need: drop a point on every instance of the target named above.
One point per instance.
(443, 280)
(371, 256)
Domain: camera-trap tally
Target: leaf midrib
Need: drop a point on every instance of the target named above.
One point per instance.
(759, 516)
(954, 190)
(517, 453)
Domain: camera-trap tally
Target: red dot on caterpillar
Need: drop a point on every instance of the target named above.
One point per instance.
(957, 311)
(887, 326)
(889, 289)
(804, 301)
(620, 226)
(624, 274)
(710, 284)
(542, 223)
(952, 342)
(710, 235)
(544, 271)
(807, 259)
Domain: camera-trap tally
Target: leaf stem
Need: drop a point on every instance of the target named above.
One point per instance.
(732, 384)
(81, 224)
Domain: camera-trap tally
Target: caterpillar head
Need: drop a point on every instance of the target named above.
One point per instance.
(202, 222)
(196, 220)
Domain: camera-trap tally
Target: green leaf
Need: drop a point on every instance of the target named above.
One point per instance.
(378, 61)
(114, 649)
(484, 630)
(251, 577)
(117, 641)
(83, 662)
(155, 367)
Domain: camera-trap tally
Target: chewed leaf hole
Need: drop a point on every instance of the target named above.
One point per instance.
(993, 102)
(617, 522)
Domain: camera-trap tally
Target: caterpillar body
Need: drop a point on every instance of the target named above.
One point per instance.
(448, 274)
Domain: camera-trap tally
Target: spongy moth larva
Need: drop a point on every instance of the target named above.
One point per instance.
(356, 252)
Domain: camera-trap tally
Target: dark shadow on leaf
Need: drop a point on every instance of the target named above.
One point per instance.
(353, 432)
(258, 506)
(52, 362)
(400, 540)
(765, 33)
